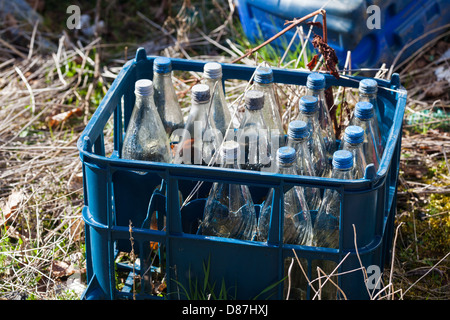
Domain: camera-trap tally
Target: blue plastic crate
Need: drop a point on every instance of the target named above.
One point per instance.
(117, 191)
(401, 23)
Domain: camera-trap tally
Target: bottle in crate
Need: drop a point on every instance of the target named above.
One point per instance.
(353, 142)
(315, 84)
(219, 114)
(297, 138)
(309, 113)
(297, 228)
(166, 99)
(229, 210)
(368, 89)
(198, 139)
(326, 225)
(253, 135)
(364, 117)
(271, 112)
(145, 137)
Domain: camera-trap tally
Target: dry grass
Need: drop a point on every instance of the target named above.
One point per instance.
(46, 100)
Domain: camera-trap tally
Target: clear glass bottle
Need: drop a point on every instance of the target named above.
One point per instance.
(252, 134)
(145, 138)
(198, 142)
(229, 210)
(353, 142)
(297, 227)
(297, 138)
(363, 116)
(315, 85)
(309, 113)
(271, 112)
(166, 99)
(219, 114)
(326, 225)
(368, 89)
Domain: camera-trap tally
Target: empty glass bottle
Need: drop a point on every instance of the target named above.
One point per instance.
(309, 113)
(219, 114)
(297, 227)
(363, 116)
(166, 99)
(353, 142)
(298, 135)
(229, 210)
(326, 225)
(271, 112)
(145, 138)
(315, 85)
(198, 142)
(368, 89)
(253, 134)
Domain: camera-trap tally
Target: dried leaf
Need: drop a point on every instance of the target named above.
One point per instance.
(329, 55)
(62, 269)
(61, 117)
(10, 206)
(312, 64)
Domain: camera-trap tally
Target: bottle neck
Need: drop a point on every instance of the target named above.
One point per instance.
(367, 96)
(352, 146)
(345, 174)
(296, 142)
(315, 92)
(145, 101)
(286, 168)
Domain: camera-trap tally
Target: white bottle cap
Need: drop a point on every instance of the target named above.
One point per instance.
(212, 70)
(200, 93)
(143, 87)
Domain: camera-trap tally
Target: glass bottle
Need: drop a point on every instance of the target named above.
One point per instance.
(145, 138)
(219, 114)
(252, 134)
(271, 112)
(198, 142)
(363, 116)
(308, 107)
(353, 142)
(315, 85)
(368, 89)
(326, 225)
(297, 227)
(297, 136)
(229, 210)
(166, 99)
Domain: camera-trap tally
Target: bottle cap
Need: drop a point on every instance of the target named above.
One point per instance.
(308, 104)
(264, 75)
(286, 155)
(298, 129)
(343, 159)
(364, 110)
(315, 81)
(368, 86)
(143, 87)
(354, 134)
(200, 93)
(254, 100)
(229, 150)
(212, 70)
(162, 65)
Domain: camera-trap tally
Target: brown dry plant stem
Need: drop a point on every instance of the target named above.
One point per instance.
(294, 23)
